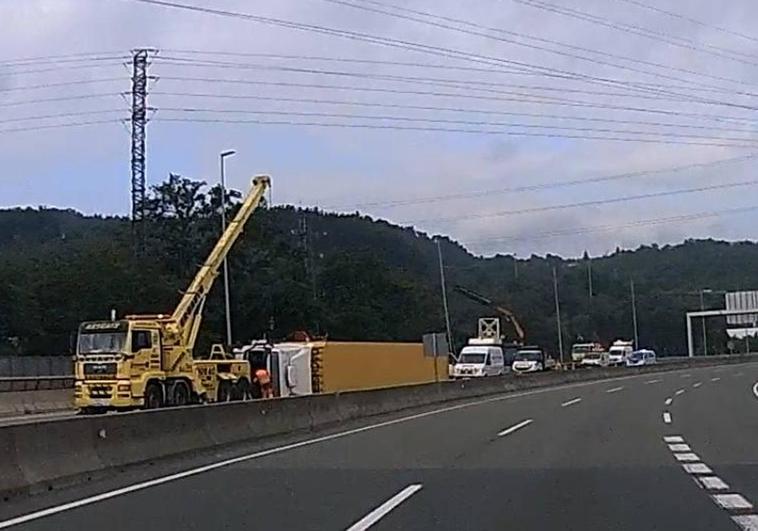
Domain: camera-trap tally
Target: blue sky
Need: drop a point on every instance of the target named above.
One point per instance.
(87, 168)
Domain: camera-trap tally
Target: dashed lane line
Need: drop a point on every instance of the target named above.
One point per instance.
(385, 508)
(755, 389)
(697, 384)
(571, 402)
(712, 483)
(697, 468)
(715, 379)
(687, 457)
(686, 375)
(667, 417)
(615, 389)
(515, 427)
(679, 447)
(653, 381)
(668, 401)
(748, 522)
(673, 439)
(732, 501)
(679, 392)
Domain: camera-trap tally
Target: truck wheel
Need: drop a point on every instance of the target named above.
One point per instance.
(180, 394)
(153, 396)
(224, 392)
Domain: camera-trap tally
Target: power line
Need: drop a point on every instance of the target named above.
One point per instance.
(540, 39)
(631, 86)
(541, 186)
(451, 83)
(59, 115)
(66, 58)
(611, 228)
(499, 70)
(59, 98)
(723, 53)
(62, 84)
(353, 116)
(383, 41)
(66, 68)
(543, 100)
(174, 61)
(449, 130)
(322, 101)
(58, 126)
(690, 19)
(594, 202)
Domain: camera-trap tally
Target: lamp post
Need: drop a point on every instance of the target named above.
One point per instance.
(222, 158)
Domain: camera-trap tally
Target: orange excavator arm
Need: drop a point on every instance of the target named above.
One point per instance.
(508, 315)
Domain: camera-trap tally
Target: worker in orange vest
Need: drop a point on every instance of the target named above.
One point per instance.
(264, 381)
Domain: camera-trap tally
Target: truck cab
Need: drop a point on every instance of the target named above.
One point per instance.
(580, 350)
(532, 359)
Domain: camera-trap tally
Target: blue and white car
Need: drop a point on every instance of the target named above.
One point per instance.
(642, 357)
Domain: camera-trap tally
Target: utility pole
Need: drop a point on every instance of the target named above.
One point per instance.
(227, 305)
(558, 315)
(702, 320)
(634, 314)
(589, 278)
(139, 123)
(444, 297)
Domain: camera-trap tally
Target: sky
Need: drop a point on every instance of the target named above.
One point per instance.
(513, 126)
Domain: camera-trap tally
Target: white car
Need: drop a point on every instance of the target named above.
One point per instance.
(479, 361)
(619, 352)
(596, 359)
(642, 357)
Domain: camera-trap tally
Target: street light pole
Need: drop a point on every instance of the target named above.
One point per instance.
(450, 345)
(227, 308)
(702, 308)
(634, 314)
(558, 315)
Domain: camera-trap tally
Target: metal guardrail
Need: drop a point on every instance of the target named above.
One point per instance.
(35, 383)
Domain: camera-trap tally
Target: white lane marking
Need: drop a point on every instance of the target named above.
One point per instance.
(668, 401)
(673, 439)
(715, 379)
(713, 483)
(615, 389)
(748, 522)
(384, 509)
(680, 447)
(56, 509)
(667, 417)
(686, 375)
(689, 456)
(515, 427)
(732, 501)
(697, 384)
(738, 373)
(653, 381)
(679, 392)
(571, 402)
(697, 468)
(755, 389)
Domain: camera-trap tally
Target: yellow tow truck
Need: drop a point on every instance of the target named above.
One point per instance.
(146, 361)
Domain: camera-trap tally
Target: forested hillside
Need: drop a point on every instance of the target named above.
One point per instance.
(347, 276)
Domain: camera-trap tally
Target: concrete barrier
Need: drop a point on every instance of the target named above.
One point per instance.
(56, 452)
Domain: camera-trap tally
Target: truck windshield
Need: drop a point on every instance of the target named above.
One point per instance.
(472, 357)
(102, 343)
(529, 355)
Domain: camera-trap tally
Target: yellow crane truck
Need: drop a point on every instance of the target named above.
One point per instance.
(146, 361)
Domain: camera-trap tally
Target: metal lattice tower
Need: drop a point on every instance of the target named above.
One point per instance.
(139, 121)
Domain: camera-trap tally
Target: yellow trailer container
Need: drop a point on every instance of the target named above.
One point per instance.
(342, 366)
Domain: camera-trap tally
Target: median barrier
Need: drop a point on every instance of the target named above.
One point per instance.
(42, 455)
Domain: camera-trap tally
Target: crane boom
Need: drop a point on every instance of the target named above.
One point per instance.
(188, 313)
(505, 312)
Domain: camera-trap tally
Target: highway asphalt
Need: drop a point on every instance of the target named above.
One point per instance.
(582, 457)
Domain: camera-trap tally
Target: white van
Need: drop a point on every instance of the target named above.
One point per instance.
(596, 359)
(479, 361)
(641, 357)
(620, 351)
